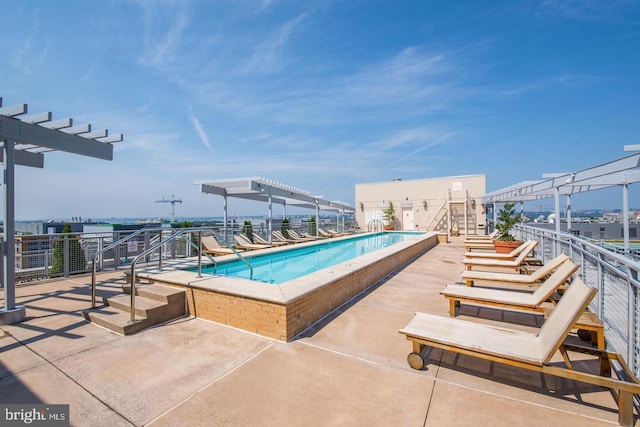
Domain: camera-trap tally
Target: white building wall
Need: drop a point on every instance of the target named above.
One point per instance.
(434, 202)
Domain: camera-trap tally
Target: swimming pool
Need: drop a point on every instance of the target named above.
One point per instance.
(282, 311)
(286, 265)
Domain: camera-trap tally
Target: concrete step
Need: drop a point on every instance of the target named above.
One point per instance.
(154, 304)
(116, 320)
(156, 292)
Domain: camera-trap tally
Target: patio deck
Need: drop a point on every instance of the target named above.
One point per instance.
(350, 369)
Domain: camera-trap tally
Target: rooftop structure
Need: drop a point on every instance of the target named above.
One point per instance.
(270, 192)
(25, 139)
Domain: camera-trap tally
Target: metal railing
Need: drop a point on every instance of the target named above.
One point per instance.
(162, 243)
(96, 256)
(614, 275)
(375, 225)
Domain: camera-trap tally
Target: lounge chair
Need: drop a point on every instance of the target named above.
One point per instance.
(259, 240)
(211, 246)
(511, 255)
(482, 238)
(339, 233)
(243, 242)
(295, 236)
(514, 278)
(309, 236)
(281, 238)
(525, 350)
(520, 261)
(331, 233)
(481, 242)
(324, 233)
(516, 300)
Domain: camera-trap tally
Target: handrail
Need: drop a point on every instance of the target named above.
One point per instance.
(374, 224)
(100, 252)
(159, 245)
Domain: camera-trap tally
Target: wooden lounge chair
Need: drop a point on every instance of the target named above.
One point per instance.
(293, 235)
(474, 246)
(211, 246)
(511, 255)
(484, 238)
(514, 278)
(243, 242)
(331, 233)
(525, 350)
(339, 233)
(515, 300)
(520, 261)
(260, 241)
(481, 242)
(281, 238)
(309, 236)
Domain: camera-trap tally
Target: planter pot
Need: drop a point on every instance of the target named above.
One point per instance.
(389, 227)
(506, 247)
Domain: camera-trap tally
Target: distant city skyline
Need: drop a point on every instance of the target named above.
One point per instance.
(320, 95)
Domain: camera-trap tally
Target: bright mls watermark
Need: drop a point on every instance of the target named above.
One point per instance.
(34, 415)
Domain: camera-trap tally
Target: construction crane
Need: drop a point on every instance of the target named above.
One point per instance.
(173, 202)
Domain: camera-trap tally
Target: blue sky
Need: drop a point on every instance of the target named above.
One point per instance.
(320, 95)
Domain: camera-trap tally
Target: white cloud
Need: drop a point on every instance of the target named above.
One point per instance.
(201, 133)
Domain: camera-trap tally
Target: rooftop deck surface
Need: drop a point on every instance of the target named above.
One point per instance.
(350, 369)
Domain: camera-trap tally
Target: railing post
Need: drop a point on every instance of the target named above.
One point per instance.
(133, 292)
(66, 255)
(199, 254)
(160, 250)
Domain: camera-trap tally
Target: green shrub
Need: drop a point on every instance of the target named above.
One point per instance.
(247, 230)
(77, 261)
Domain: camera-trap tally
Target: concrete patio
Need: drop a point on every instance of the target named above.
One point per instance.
(350, 369)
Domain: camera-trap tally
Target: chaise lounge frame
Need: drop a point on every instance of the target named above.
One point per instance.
(525, 350)
(471, 276)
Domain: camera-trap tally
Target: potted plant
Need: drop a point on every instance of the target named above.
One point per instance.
(507, 218)
(389, 216)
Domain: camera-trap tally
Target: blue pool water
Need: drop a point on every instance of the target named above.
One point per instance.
(289, 264)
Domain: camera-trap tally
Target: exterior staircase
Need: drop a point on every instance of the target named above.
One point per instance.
(155, 304)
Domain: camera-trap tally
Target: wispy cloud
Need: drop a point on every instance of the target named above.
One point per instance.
(553, 82)
(586, 10)
(201, 133)
(162, 37)
(420, 138)
(267, 56)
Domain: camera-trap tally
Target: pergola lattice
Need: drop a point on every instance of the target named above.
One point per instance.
(25, 140)
(269, 191)
(617, 173)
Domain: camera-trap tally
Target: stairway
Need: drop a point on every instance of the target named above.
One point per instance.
(155, 304)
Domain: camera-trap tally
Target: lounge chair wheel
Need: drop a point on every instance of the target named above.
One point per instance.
(415, 361)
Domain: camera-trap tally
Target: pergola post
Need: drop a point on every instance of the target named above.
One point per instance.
(625, 216)
(10, 313)
(270, 219)
(556, 191)
(225, 218)
(568, 213)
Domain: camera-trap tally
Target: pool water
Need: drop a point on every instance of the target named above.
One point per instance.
(291, 262)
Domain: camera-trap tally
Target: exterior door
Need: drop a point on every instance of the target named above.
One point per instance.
(407, 219)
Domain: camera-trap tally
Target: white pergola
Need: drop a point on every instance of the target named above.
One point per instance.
(617, 173)
(269, 191)
(25, 139)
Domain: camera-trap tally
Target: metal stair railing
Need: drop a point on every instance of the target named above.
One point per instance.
(159, 245)
(94, 260)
